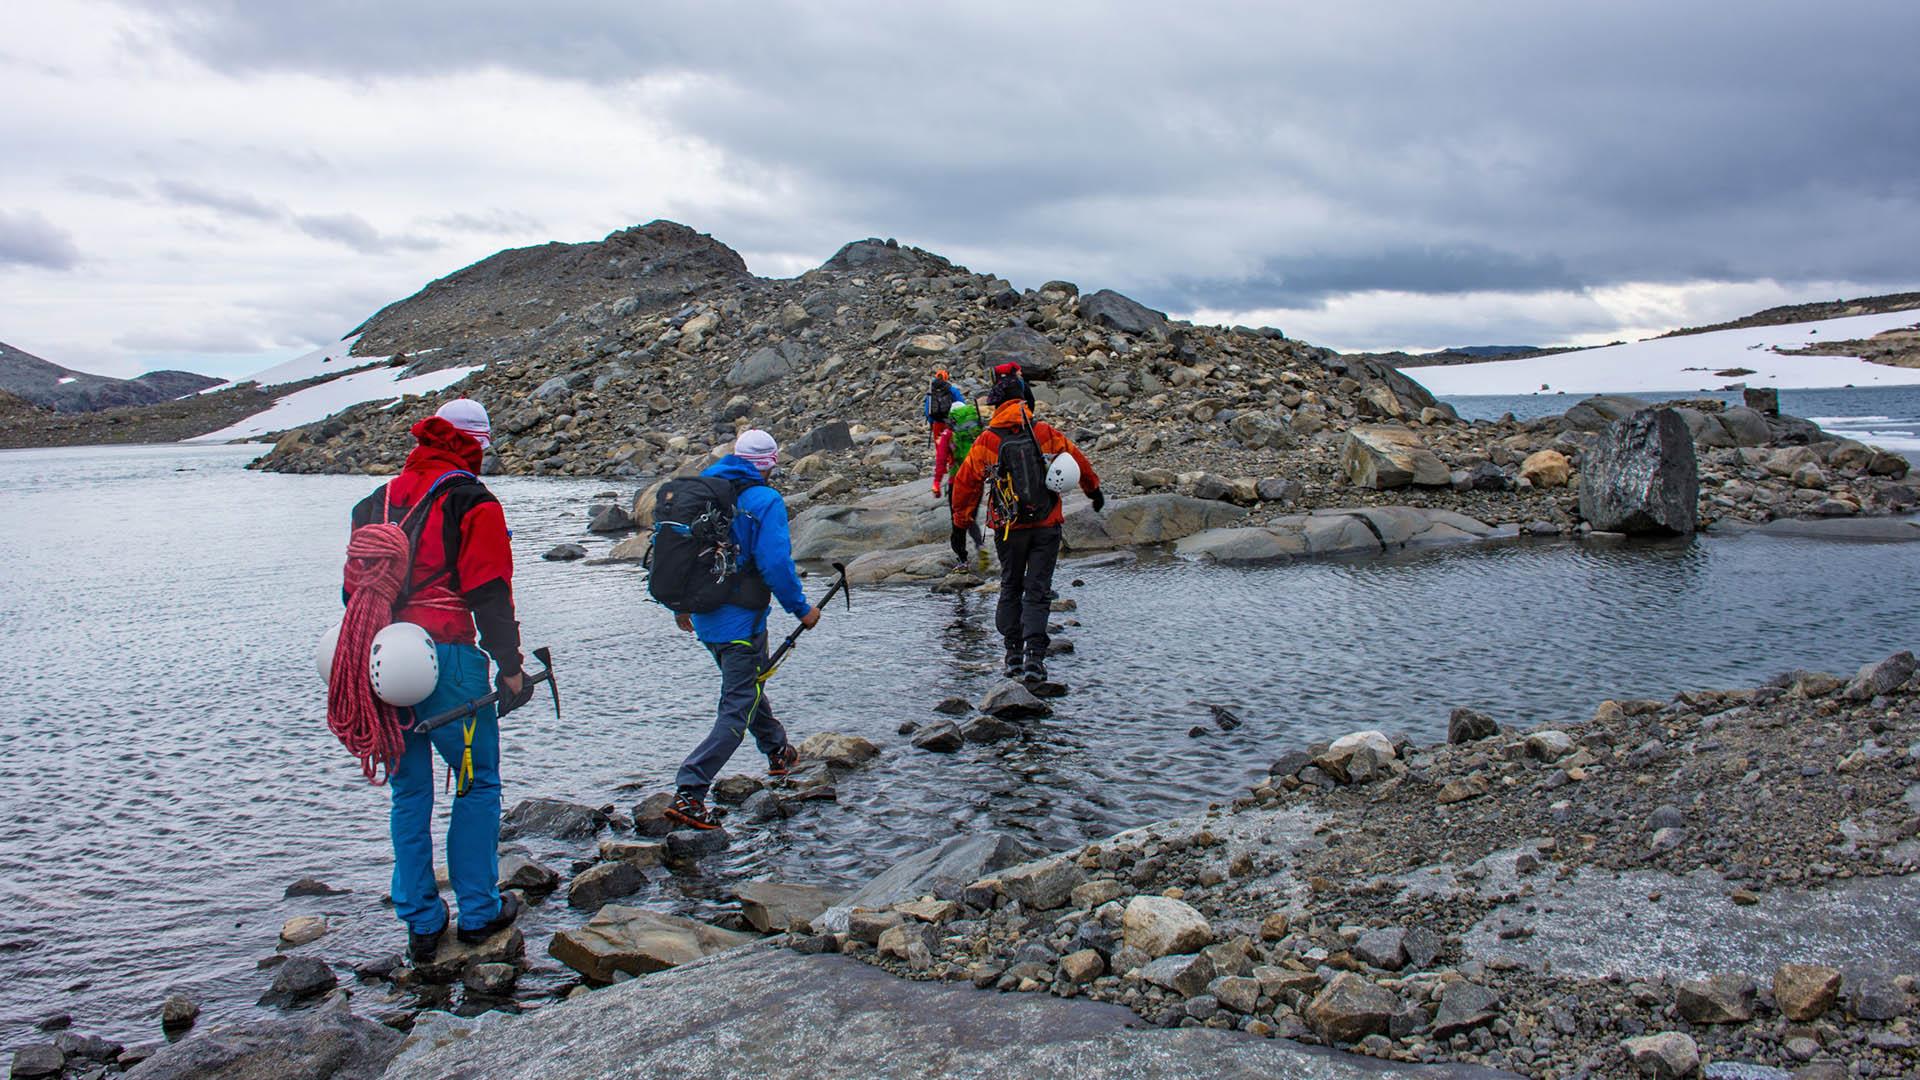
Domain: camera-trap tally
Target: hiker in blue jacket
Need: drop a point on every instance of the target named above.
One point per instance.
(737, 636)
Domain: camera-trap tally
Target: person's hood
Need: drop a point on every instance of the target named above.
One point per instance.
(734, 467)
(1011, 414)
(439, 449)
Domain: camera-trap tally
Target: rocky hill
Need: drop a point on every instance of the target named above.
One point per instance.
(1799, 313)
(43, 382)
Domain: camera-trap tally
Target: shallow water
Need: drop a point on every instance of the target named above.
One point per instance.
(166, 767)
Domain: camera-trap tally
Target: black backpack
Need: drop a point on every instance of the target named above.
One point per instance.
(1019, 481)
(693, 565)
(939, 401)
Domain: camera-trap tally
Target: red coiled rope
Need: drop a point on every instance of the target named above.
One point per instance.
(378, 556)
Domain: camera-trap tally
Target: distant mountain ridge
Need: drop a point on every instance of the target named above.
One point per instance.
(45, 383)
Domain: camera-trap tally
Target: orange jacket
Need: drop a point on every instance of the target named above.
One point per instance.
(970, 483)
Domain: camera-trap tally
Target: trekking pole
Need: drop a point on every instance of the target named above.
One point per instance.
(461, 712)
(773, 663)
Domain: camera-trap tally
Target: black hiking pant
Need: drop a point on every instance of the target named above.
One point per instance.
(1026, 581)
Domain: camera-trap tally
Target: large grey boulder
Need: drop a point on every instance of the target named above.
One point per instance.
(941, 871)
(770, 906)
(1642, 476)
(1595, 413)
(1383, 456)
(889, 519)
(329, 1043)
(637, 941)
(830, 437)
(1112, 311)
(1037, 357)
(839, 1017)
(767, 364)
(557, 818)
(1143, 519)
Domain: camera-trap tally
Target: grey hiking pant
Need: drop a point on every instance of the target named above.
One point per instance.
(1026, 578)
(743, 708)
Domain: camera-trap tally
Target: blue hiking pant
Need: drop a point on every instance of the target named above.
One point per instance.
(743, 708)
(473, 836)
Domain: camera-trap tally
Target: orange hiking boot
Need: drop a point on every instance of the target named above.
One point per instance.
(690, 810)
(780, 762)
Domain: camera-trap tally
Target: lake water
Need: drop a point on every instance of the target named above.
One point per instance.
(166, 770)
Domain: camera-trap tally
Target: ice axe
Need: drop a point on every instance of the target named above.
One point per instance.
(773, 663)
(461, 712)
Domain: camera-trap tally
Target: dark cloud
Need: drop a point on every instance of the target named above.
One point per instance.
(220, 200)
(358, 233)
(1238, 153)
(27, 238)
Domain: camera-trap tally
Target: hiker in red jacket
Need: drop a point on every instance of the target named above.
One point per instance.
(1016, 463)
(461, 582)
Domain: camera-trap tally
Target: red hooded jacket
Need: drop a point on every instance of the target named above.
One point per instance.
(971, 481)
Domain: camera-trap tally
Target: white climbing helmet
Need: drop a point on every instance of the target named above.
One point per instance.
(323, 652)
(404, 665)
(1063, 474)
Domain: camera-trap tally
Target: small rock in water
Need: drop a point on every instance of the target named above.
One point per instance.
(494, 979)
(762, 806)
(693, 843)
(907, 727)
(56, 1022)
(300, 978)
(520, 872)
(650, 815)
(565, 553)
(1468, 725)
(1010, 700)
(1223, 716)
(954, 706)
(609, 880)
(302, 929)
(986, 729)
(941, 738)
(307, 886)
(1196, 732)
(1047, 689)
(735, 789)
(177, 1012)
(37, 1060)
(89, 1047)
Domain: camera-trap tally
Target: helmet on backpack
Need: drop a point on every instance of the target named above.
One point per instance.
(404, 664)
(323, 652)
(1063, 473)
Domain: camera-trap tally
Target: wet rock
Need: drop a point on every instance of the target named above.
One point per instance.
(771, 906)
(551, 817)
(838, 751)
(1009, 700)
(763, 805)
(693, 843)
(327, 1043)
(636, 941)
(1160, 925)
(86, 1047)
(987, 729)
(1717, 999)
(565, 553)
(1044, 884)
(1350, 1008)
(610, 519)
(941, 738)
(491, 979)
(1383, 456)
(650, 815)
(178, 1012)
(1805, 991)
(944, 870)
(733, 790)
(1464, 1006)
(1666, 1056)
(520, 872)
(38, 1060)
(954, 706)
(454, 956)
(300, 978)
(597, 885)
(307, 886)
(1880, 677)
(302, 929)
(1642, 477)
(1466, 725)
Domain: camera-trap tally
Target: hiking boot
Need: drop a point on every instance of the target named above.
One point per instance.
(691, 810)
(1015, 665)
(509, 911)
(780, 762)
(1035, 668)
(421, 947)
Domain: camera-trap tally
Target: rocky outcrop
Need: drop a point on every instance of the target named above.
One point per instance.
(1383, 456)
(637, 941)
(1642, 477)
(329, 1043)
(1327, 533)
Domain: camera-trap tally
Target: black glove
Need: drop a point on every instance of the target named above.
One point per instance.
(1098, 498)
(958, 541)
(509, 700)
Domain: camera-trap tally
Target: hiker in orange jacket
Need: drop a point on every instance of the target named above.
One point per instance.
(1022, 479)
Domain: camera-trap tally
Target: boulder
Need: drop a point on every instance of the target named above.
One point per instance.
(838, 751)
(302, 929)
(941, 738)
(1467, 725)
(1596, 413)
(1463, 1007)
(650, 815)
(986, 729)
(1186, 974)
(637, 941)
(766, 364)
(1880, 677)
(520, 872)
(37, 1060)
(830, 438)
(1746, 427)
(328, 1043)
(557, 818)
(1043, 884)
(640, 853)
(1805, 991)
(597, 885)
(694, 843)
(771, 906)
(1011, 700)
(1546, 469)
(1383, 947)
(1383, 456)
(1038, 358)
(1666, 1056)
(300, 978)
(1642, 477)
(564, 553)
(1112, 311)
(1161, 926)
(1339, 760)
(1716, 999)
(1159, 518)
(454, 956)
(609, 519)
(1350, 1008)
(943, 871)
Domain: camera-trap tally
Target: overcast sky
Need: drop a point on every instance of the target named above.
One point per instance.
(214, 184)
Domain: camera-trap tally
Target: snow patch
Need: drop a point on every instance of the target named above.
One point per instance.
(319, 402)
(65, 379)
(326, 360)
(1689, 362)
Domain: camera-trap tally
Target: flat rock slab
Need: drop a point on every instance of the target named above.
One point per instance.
(839, 1017)
(1884, 529)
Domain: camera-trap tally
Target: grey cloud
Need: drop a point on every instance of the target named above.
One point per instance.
(222, 201)
(357, 233)
(1250, 151)
(27, 238)
(494, 222)
(104, 186)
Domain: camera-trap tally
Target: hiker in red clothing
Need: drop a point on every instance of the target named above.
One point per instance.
(1022, 467)
(461, 581)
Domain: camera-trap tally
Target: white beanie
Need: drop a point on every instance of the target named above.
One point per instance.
(469, 416)
(757, 447)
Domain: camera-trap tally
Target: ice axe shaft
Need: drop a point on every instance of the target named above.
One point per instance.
(461, 712)
(840, 585)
